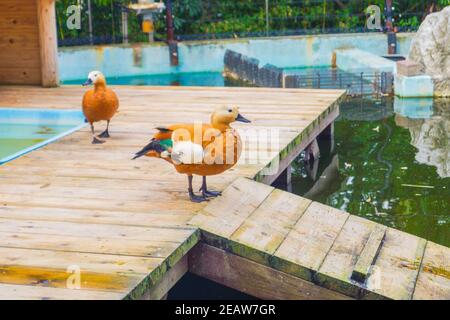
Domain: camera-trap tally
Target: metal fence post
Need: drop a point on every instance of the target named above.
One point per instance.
(91, 37)
(267, 17)
(173, 45)
(124, 26)
(390, 31)
(362, 83)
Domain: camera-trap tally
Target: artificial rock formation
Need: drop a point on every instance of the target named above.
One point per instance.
(430, 48)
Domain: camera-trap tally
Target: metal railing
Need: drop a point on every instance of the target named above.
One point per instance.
(364, 83)
(356, 83)
(102, 20)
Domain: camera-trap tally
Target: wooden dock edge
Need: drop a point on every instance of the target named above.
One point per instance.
(158, 282)
(253, 278)
(350, 290)
(239, 261)
(362, 246)
(300, 142)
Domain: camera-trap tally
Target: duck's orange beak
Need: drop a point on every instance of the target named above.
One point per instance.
(242, 119)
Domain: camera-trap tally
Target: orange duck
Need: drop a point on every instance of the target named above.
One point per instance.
(99, 104)
(199, 149)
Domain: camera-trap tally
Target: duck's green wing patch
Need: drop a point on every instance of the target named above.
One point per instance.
(168, 143)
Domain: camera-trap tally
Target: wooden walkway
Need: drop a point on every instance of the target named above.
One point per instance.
(75, 207)
(326, 247)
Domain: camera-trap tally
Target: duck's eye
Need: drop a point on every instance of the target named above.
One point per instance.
(230, 110)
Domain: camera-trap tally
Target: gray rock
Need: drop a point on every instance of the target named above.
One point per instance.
(431, 49)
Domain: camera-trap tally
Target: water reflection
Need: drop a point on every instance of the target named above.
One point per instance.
(390, 164)
(430, 132)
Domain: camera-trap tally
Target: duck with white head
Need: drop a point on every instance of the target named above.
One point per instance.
(99, 104)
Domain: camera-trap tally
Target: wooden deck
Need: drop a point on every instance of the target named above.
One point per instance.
(316, 243)
(124, 224)
(128, 227)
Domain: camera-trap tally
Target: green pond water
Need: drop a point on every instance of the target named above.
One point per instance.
(16, 137)
(390, 167)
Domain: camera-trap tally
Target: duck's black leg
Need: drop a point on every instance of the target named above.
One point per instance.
(105, 134)
(192, 195)
(208, 193)
(94, 138)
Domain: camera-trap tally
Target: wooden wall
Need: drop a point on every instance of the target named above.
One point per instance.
(20, 43)
(20, 61)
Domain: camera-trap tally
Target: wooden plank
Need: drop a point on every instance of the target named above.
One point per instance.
(263, 231)
(252, 278)
(173, 275)
(98, 244)
(9, 75)
(397, 266)
(95, 231)
(299, 143)
(138, 219)
(48, 42)
(23, 292)
(337, 267)
(53, 269)
(19, 44)
(433, 282)
(369, 254)
(225, 214)
(306, 246)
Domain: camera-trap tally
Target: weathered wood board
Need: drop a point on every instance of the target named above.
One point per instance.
(123, 222)
(253, 278)
(316, 244)
(369, 254)
(20, 60)
(129, 225)
(307, 245)
(433, 282)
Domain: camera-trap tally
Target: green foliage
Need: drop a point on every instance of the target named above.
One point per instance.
(231, 18)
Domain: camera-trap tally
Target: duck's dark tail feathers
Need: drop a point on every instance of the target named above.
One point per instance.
(154, 145)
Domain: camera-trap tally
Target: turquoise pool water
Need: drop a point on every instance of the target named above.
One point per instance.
(213, 79)
(23, 130)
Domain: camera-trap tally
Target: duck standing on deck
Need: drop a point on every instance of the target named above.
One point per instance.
(199, 149)
(99, 104)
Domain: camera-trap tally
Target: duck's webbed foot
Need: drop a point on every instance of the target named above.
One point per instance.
(211, 194)
(104, 134)
(94, 138)
(97, 141)
(196, 198)
(192, 195)
(208, 193)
